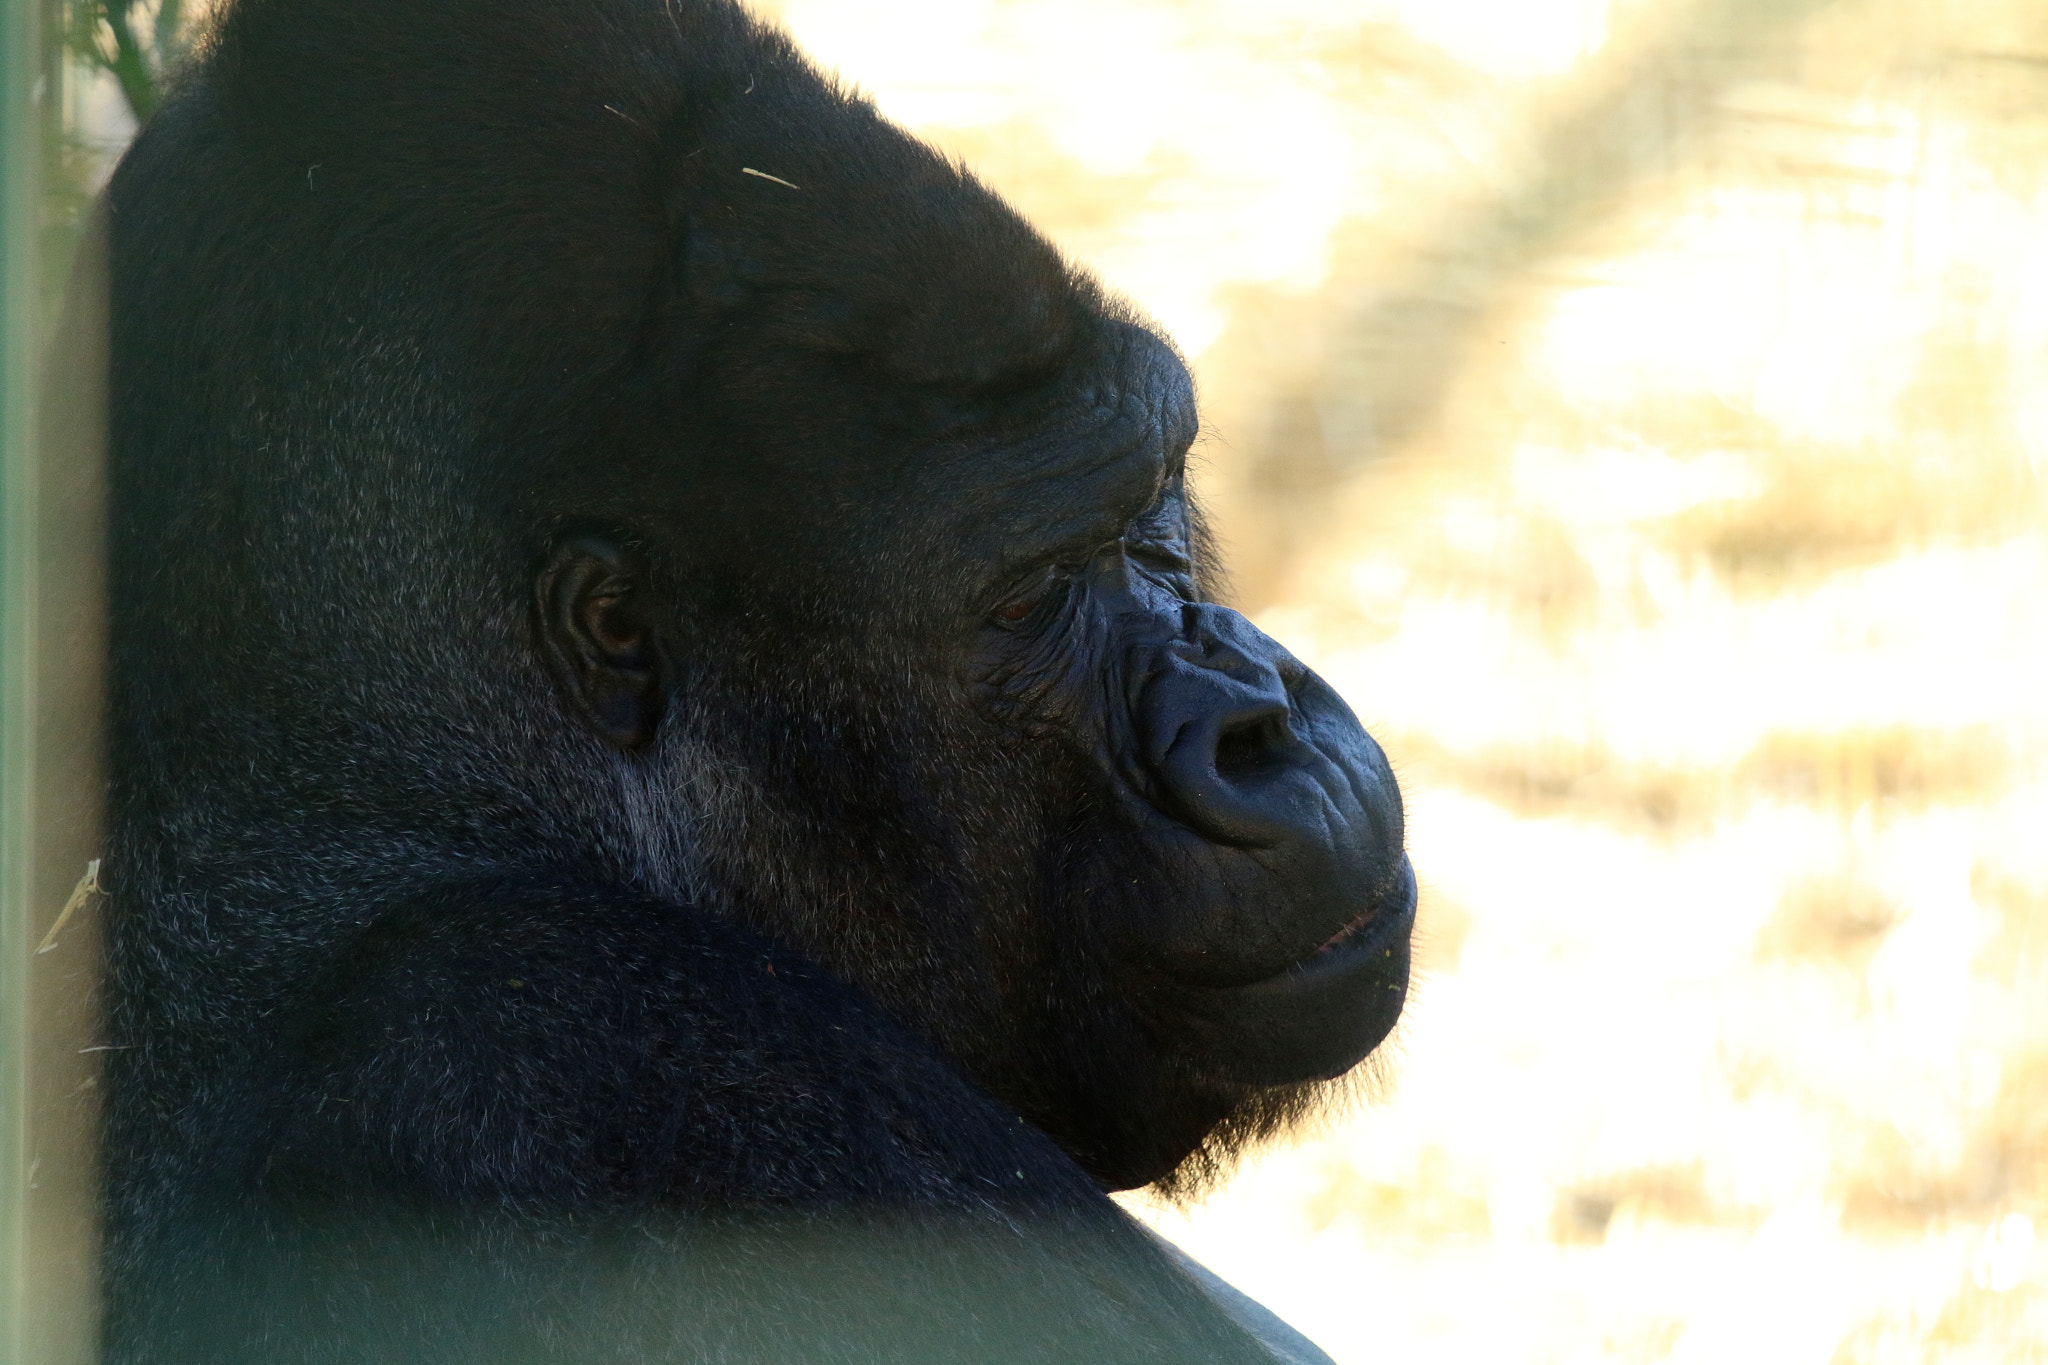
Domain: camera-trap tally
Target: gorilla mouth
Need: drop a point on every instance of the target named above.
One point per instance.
(1370, 932)
(1319, 1017)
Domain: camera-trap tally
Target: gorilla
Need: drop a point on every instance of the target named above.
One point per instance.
(681, 790)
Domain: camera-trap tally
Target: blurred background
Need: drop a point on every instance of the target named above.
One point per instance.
(1640, 412)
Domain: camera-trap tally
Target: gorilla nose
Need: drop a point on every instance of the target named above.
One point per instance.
(1217, 738)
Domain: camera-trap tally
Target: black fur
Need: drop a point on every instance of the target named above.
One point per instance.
(678, 792)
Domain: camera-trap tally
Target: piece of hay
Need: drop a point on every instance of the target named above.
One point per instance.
(749, 170)
(88, 887)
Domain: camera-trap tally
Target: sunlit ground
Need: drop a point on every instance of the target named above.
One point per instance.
(1669, 502)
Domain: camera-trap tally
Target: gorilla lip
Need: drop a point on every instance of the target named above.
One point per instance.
(1367, 932)
(1320, 1017)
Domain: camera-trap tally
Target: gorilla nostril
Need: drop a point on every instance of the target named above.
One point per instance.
(1253, 745)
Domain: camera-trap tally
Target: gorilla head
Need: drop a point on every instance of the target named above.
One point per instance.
(893, 579)
(926, 657)
(579, 439)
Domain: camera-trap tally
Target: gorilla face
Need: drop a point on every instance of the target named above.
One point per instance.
(1260, 818)
(996, 755)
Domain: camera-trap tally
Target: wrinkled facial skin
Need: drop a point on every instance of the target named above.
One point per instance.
(1280, 934)
(1267, 942)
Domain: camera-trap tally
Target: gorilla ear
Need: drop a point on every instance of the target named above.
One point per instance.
(594, 616)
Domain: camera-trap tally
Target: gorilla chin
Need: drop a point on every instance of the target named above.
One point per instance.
(1266, 1058)
(1317, 1019)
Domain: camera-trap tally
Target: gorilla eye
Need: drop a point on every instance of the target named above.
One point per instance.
(1022, 605)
